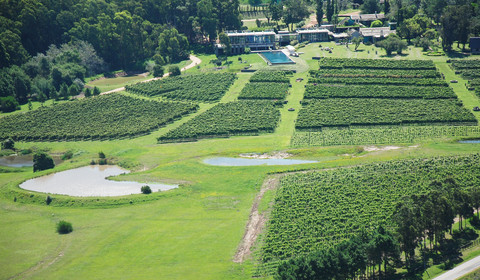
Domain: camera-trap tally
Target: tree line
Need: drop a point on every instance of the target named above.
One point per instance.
(423, 229)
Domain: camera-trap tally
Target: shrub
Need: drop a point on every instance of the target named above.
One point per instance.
(92, 162)
(42, 161)
(96, 91)
(48, 200)
(158, 71)
(67, 155)
(8, 144)
(102, 161)
(101, 155)
(64, 227)
(146, 190)
(174, 70)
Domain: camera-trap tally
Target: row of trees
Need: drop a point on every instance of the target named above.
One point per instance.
(419, 222)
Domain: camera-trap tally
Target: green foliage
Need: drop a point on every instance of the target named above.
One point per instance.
(358, 63)
(374, 73)
(105, 117)
(264, 90)
(173, 46)
(380, 135)
(48, 200)
(158, 71)
(203, 87)
(64, 227)
(174, 70)
(370, 7)
(361, 111)
(101, 155)
(8, 104)
(379, 81)
(376, 23)
(376, 91)
(226, 119)
(42, 161)
(316, 210)
(392, 43)
(146, 190)
(67, 155)
(271, 76)
(8, 144)
(96, 91)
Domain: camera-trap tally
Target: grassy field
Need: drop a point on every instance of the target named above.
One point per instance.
(187, 233)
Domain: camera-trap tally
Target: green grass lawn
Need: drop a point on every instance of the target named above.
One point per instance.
(187, 233)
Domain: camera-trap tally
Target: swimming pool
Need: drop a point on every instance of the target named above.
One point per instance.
(276, 57)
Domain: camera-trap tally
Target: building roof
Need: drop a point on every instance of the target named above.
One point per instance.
(367, 17)
(309, 31)
(239, 33)
(339, 35)
(376, 32)
(474, 42)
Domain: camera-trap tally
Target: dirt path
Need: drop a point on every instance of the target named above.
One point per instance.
(195, 61)
(256, 222)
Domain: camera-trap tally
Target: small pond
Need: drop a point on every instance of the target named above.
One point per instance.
(473, 141)
(229, 161)
(22, 160)
(89, 181)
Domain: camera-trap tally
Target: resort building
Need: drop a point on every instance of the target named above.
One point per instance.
(375, 34)
(367, 19)
(256, 41)
(313, 35)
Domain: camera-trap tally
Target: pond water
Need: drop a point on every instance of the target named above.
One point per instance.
(473, 141)
(16, 161)
(89, 181)
(229, 161)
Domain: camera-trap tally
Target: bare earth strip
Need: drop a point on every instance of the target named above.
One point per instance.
(195, 61)
(256, 222)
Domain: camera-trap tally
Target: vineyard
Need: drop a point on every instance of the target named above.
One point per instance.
(374, 73)
(271, 76)
(227, 119)
(380, 135)
(375, 91)
(265, 90)
(317, 210)
(104, 117)
(201, 88)
(364, 101)
(369, 111)
(469, 70)
(338, 63)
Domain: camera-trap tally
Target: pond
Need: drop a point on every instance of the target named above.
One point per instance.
(473, 141)
(17, 161)
(229, 161)
(89, 181)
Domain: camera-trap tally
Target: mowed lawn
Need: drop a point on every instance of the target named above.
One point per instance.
(189, 233)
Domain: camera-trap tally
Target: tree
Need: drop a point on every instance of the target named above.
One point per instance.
(8, 144)
(96, 91)
(158, 71)
(207, 18)
(42, 161)
(146, 189)
(392, 43)
(376, 23)
(88, 92)
(407, 222)
(225, 41)
(295, 11)
(447, 32)
(386, 7)
(414, 27)
(276, 9)
(174, 70)
(73, 90)
(357, 41)
(172, 46)
(319, 11)
(370, 7)
(329, 10)
(8, 104)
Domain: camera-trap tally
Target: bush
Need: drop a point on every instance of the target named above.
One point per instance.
(64, 227)
(67, 155)
(146, 190)
(102, 161)
(48, 200)
(42, 161)
(158, 71)
(376, 23)
(8, 144)
(101, 155)
(174, 70)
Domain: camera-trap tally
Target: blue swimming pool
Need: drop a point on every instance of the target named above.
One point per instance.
(277, 57)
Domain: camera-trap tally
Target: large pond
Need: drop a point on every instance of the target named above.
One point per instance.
(473, 141)
(229, 161)
(89, 181)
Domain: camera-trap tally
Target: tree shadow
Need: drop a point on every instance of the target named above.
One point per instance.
(456, 54)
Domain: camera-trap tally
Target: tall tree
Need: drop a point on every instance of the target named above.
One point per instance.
(295, 11)
(329, 10)
(319, 11)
